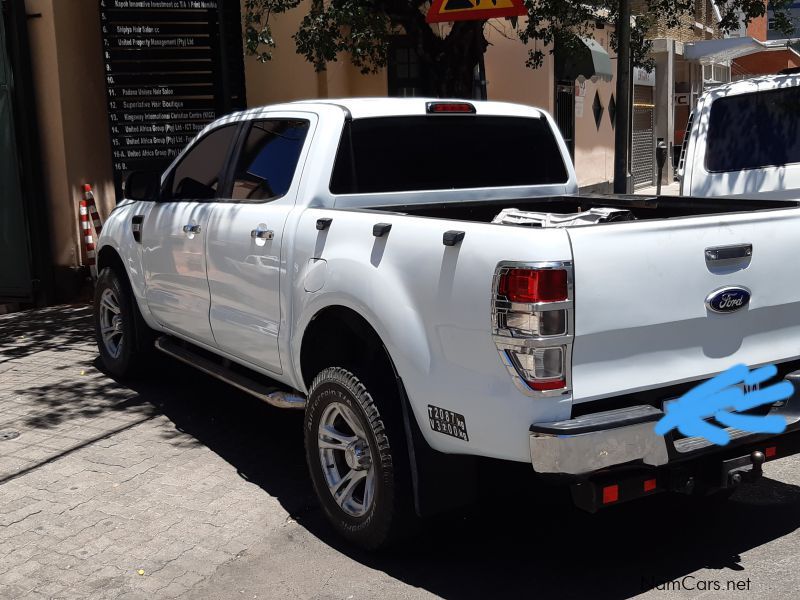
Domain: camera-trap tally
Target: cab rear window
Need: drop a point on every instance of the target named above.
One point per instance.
(402, 154)
(752, 131)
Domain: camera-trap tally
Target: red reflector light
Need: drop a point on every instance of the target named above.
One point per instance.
(770, 451)
(649, 485)
(534, 285)
(610, 494)
(549, 384)
(450, 107)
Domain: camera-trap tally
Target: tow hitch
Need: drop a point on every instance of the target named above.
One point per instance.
(608, 489)
(739, 470)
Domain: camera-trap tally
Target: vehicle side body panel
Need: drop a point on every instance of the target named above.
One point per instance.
(431, 306)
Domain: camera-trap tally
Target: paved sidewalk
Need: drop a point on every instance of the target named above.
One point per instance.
(101, 493)
(668, 189)
(204, 491)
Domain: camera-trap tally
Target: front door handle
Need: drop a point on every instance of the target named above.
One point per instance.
(191, 229)
(262, 234)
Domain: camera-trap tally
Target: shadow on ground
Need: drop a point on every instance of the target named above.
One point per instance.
(514, 544)
(56, 328)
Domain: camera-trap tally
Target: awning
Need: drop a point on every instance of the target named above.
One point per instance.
(719, 51)
(589, 60)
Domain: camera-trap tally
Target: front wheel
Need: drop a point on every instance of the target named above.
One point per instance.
(117, 329)
(358, 465)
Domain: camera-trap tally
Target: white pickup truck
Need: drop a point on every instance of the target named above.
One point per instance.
(355, 259)
(743, 140)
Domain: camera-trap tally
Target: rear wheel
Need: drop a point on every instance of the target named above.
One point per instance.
(122, 338)
(358, 464)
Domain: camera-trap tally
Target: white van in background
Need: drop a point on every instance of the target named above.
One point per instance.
(743, 139)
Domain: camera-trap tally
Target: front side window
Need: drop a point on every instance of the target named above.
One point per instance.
(752, 131)
(268, 159)
(197, 176)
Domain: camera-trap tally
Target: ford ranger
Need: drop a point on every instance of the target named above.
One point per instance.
(422, 279)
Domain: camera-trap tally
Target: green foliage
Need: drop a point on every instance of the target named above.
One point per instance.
(362, 29)
(258, 40)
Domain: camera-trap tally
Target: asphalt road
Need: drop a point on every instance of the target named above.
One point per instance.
(197, 451)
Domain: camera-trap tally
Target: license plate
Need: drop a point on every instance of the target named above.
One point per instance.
(745, 388)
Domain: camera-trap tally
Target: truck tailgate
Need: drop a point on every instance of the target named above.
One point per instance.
(641, 319)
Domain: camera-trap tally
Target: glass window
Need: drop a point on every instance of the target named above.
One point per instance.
(751, 131)
(399, 154)
(197, 175)
(268, 160)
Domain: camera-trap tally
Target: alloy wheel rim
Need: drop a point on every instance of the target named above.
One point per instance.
(346, 460)
(111, 323)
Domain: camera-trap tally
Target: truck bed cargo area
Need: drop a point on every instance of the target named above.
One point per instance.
(642, 207)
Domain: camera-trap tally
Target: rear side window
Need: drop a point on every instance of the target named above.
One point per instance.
(268, 159)
(401, 154)
(752, 131)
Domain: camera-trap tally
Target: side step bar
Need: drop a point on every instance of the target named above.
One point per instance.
(269, 394)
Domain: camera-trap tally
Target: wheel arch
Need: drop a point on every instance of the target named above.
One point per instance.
(340, 331)
(440, 482)
(109, 257)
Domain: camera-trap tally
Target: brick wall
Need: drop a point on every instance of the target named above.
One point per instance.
(687, 31)
(766, 63)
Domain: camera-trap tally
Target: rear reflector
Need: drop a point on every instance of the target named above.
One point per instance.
(649, 485)
(450, 107)
(770, 451)
(610, 494)
(553, 384)
(534, 285)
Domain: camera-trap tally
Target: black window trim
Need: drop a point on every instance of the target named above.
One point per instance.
(708, 136)
(239, 142)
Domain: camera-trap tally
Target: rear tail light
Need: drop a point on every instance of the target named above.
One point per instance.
(532, 323)
(534, 285)
(537, 323)
(542, 369)
(542, 364)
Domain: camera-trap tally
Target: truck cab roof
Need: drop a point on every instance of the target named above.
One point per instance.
(361, 108)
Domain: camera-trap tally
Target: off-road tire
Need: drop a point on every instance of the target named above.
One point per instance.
(390, 516)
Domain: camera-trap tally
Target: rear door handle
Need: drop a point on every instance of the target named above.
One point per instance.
(262, 234)
(191, 229)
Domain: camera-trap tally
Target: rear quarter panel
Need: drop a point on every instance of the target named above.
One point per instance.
(431, 306)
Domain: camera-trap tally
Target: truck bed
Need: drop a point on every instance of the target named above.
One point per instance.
(642, 207)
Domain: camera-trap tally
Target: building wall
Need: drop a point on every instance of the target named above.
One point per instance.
(794, 15)
(757, 28)
(698, 26)
(510, 80)
(68, 73)
(66, 53)
(288, 76)
(765, 63)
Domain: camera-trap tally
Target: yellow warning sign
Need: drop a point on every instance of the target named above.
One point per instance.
(473, 10)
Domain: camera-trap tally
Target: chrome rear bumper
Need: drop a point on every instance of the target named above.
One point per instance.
(597, 441)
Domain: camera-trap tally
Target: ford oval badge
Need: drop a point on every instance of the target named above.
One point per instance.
(728, 299)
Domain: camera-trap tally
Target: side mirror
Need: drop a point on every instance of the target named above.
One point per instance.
(142, 185)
